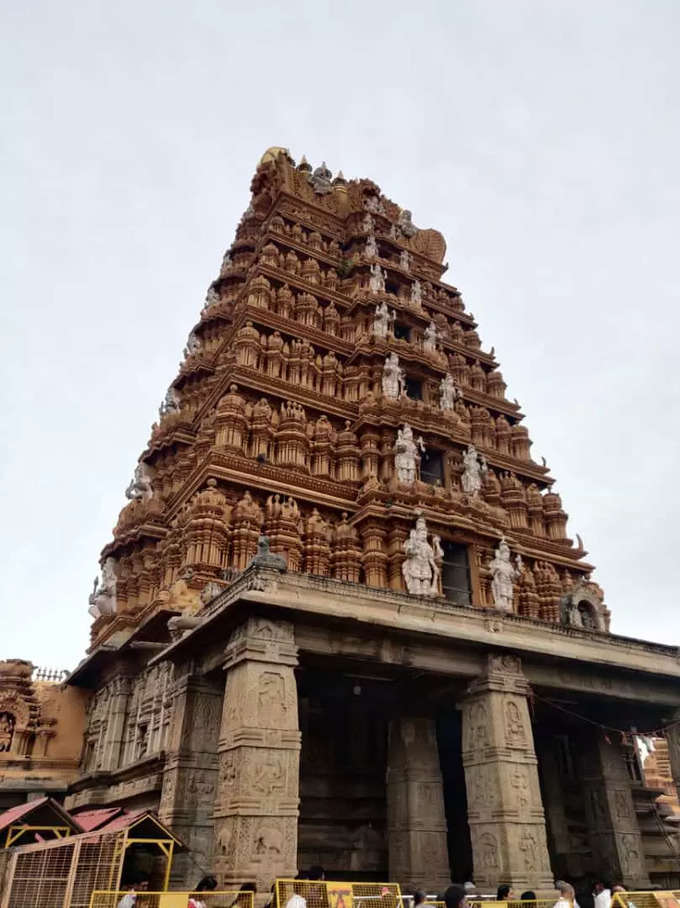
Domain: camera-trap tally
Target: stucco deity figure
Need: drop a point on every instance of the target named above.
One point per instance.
(367, 223)
(504, 574)
(417, 293)
(382, 321)
(193, 345)
(474, 468)
(448, 393)
(406, 225)
(140, 486)
(170, 403)
(226, 262)
(321, 180)
(212, 297)
(430, 338)
(422, 566)
(392, 377)
(371, 250)
(103, 596)
(377, 279)
(406, 456)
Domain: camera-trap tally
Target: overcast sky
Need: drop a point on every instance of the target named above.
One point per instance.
(540, 138)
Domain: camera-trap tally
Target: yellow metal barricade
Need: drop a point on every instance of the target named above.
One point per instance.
(646, 899)
(225, 898)
(330, 894)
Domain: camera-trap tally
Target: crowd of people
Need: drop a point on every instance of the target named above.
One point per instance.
(455, 896)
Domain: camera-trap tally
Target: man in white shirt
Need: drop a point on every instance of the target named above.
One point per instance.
(602, 895)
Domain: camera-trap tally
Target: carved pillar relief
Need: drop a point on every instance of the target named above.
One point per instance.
(190, 775)
(613, 828)
(505, 811)
(256, 808)
(416, 820)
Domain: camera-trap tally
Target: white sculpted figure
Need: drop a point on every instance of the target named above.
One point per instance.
(417, 293)
(448, 392)
(504, 576)
(103, 596)
(383, 321)
(392, 377)
(406, 225)
(170, 403)
(371, 250)
(405, 259)
(212, 297)
(406, 456)
(422, 566)
(140, 486)
(367, 223)
(474, 469)
(430, 338)
(377, 279)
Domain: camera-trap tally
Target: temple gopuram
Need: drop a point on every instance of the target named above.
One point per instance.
(341, 620)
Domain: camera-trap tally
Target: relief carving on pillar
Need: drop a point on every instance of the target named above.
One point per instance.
(629, 853)
(528, 845)
(476, 730)
(484, 793)
(622, 805)
(514, 725)
(520, 785)
(271, 695)
(485, 848)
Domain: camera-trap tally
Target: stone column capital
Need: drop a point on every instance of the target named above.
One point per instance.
(502, 672)
(262, 640)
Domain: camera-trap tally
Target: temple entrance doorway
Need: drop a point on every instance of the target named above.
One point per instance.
(450, 740)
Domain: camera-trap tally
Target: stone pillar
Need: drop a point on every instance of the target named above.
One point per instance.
(416, 821)
(673, 740)
(613, 829)
(113, 732)
(256, 807)
(505, 812)
(190, 775)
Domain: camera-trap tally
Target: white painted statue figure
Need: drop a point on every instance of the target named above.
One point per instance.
(170, 403)
(212, 297)
(417, 293)
(405, 259)
(448, 393)
(367, 223)
(140, 486)
(371, 250)
(422, 566)
(474, 470)
(103, 596)
(406, 225)
(392, 377)
(382, 321)
(504, 576)
(406, 456)
(377, 279)
(430, 338)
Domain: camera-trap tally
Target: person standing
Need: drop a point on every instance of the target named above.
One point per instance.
(601, 894)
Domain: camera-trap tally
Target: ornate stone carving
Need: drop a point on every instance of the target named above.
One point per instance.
(474, 470)
(382, 321)
(376, 282)
(448, 393)
(504, 575)
(103, 596)
(371, 248)
(140, 486)
(422, 566)
(392, 377)
(406, 456)
(431, 338)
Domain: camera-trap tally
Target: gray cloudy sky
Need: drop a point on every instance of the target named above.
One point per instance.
(541, 138)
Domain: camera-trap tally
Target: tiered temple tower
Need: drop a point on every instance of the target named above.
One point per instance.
(417, 591)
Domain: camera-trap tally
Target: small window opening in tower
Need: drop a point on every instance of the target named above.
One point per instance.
(402, 332)
(456, 573)
(587, 616)
(432, 467)
(392, 287)
(414, 388)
